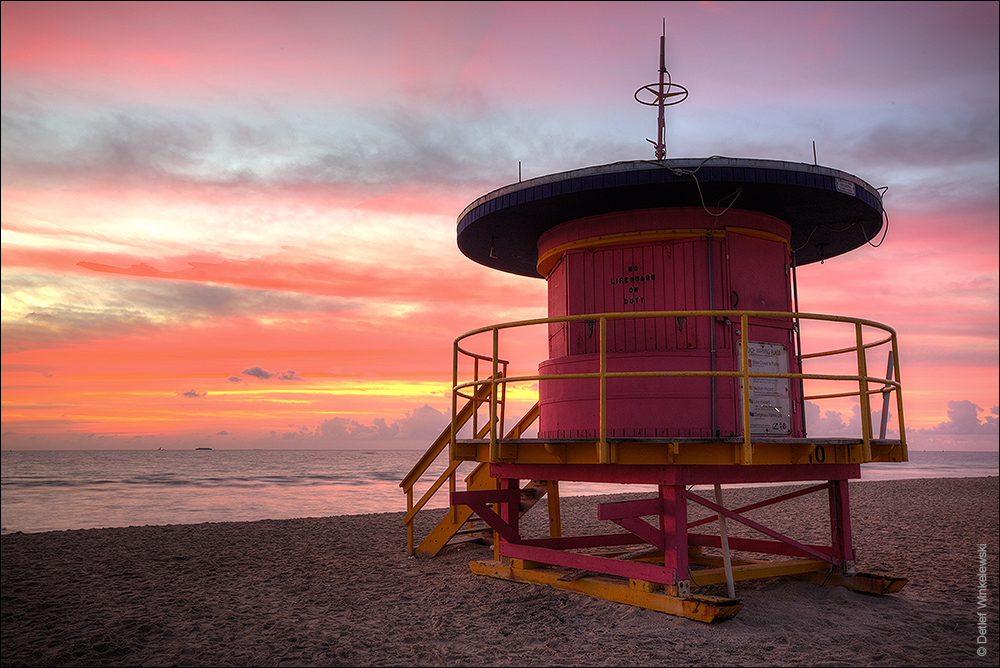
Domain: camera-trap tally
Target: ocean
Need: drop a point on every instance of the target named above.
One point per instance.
(57, 490)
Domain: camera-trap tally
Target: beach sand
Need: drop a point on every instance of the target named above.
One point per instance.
(342, 591)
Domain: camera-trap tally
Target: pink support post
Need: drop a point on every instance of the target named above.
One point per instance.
(840, 525)
(673, 524)
(511, 510)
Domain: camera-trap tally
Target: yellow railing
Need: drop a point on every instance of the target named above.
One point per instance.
(498, 369)
(498, 382)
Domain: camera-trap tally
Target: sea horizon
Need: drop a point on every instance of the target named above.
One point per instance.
(57, 490)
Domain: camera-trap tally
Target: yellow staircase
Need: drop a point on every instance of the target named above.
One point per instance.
(458, 522)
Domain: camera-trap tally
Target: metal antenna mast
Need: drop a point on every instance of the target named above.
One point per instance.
(661, 92)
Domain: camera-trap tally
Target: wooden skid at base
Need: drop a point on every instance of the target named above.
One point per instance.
(700, 608)
(869, 583)
(754, 570)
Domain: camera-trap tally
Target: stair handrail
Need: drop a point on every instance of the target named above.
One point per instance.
(480, 394)
(449, 473)
(433, 452)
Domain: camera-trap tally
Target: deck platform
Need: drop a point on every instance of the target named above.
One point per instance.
(670, 451)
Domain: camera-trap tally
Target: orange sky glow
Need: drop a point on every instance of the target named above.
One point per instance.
(233, 225)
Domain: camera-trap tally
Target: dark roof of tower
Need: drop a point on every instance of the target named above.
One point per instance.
(830, 212)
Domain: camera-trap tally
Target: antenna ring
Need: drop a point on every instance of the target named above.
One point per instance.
(653, 88)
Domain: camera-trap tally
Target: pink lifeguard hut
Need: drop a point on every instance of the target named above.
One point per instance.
(675, 360)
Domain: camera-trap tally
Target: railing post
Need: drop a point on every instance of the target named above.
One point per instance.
(503, 400)
(604, 453)
(451, 490)
(454, 402)
(494, 444)
(886, 390)
(409, 525)
(866, 412)
(747, 449)
(475, 396)
(899, 399)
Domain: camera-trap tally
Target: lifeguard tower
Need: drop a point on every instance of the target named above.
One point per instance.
(675, 360)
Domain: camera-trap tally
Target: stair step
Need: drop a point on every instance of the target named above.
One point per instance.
(469, 532)
(456, 540)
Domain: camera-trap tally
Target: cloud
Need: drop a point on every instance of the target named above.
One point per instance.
(339, 274)
(826, 423)
(258, 372)
(963, 419)
(360, 154)
(42, 309)
(830, 423)
(422, 423)
(967, 137)
(235, 379)
(340, 428)
(194, 394)
(968, 426)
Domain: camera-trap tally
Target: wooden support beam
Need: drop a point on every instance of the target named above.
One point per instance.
(638, 593)
(869, 583)
(756, 570)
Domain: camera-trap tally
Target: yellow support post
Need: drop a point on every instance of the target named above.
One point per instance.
(899, 399)
(409, 525)
(866, 411)
(454, 402)
(494, 444)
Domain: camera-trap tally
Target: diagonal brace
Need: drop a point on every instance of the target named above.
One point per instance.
(628, 515)
(763, 504)
(759, 527)
(644, 530)
(481, 500)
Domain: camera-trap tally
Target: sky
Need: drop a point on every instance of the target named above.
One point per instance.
(232, 225)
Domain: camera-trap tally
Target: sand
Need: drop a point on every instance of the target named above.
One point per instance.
(341, 591)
